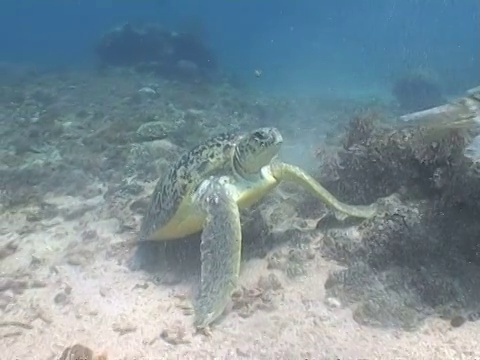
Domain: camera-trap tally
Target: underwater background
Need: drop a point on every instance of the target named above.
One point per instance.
(379, 101)
(301, 47)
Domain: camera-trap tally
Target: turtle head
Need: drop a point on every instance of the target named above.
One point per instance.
(256, 149)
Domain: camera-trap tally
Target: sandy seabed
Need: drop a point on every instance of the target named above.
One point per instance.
(66, 282)
(64, 278)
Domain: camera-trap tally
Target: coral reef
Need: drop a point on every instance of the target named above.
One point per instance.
(417, 90)
(422, 258)
(153, 49)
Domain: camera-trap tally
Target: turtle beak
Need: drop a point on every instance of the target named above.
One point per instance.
(277, 136)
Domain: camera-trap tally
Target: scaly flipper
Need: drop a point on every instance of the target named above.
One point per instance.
(282, 171)
(220, 250)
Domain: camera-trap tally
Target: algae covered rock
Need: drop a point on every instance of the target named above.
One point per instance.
(417, 89)
(180, 56)
(421, 257)
(146, 160)
(152, 130)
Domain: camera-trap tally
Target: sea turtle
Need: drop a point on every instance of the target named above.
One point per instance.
(205, 189)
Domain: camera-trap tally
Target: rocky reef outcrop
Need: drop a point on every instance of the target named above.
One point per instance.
(172, 55)
(422, 258)
(417, 89)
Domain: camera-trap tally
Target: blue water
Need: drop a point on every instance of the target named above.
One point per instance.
(302, 47)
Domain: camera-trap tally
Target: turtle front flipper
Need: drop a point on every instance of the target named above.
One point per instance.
(282, 171)
(220, 250)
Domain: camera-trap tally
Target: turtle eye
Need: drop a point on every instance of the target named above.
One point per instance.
(260, 135)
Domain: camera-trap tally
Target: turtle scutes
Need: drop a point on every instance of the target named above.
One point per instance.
(223, 154)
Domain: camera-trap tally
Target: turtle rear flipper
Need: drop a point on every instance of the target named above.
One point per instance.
(220, 250)
(150, 256)
(282, 171)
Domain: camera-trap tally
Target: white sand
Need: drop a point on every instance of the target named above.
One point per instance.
(106, 306)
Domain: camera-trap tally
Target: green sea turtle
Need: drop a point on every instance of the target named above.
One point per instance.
(205, 189)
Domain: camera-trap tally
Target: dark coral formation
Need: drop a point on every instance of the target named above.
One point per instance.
(417, 90)
(422, 258)
(153, 49)
(427, 160)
